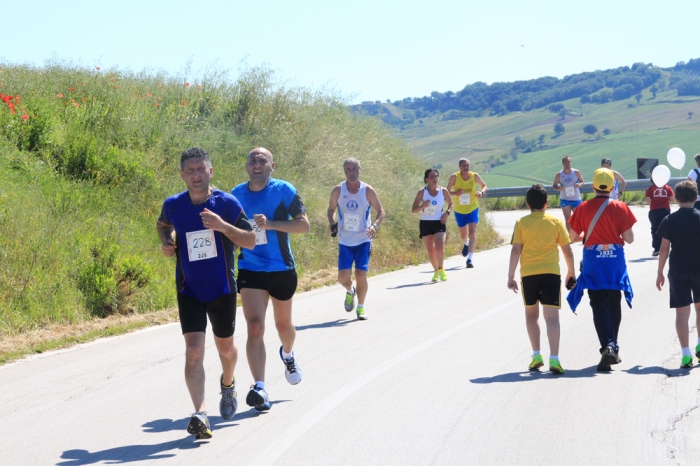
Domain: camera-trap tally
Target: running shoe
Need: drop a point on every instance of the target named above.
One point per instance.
(608, 357)
(443, 275)
(435, 277)
(555, 366)
(655, 253)
(469, 264)
(257, 398)
(536, 363)
(292, 371)
(361, 313)
(465, 249)
(686, 362)
(199, 426)
(229, 403)
(350, 301)
(697, 351)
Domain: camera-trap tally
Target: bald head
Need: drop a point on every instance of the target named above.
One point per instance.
(261, 151)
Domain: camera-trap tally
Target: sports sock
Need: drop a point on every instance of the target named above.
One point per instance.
(470, 255)
(466, 243)
(287, 355)
(352, 290)
(554, 356)
(360, 305)
(686, 351)
(698, 341)
(232, 383)
(535, 353)
(260, 385)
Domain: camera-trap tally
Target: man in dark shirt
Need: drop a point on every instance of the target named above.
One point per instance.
(680, 233)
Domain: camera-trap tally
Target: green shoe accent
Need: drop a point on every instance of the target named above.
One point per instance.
(443, 275)
(555, 366)
(361, 313)
(536, 363)
(697, 351)
(350, 301)
(686, 362)
(435, 277)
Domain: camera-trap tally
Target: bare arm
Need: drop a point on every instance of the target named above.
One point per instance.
(167, 241)
(333, 206)
(418, 203)
(241, 238)
(515, 252)
(628, 236)
(376, 205)
(481, 183)
(556, 185)
(620, 179)
(663, 256)
(298, 224)
(647, 200)
(450, 185)
(569, 258)
(448, 201)
(574, 236)
(580, 179)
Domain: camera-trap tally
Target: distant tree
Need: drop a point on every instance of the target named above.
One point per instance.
(585, 98)
(662, 85)
(555, 108)
(540, 139)
(654, 89)
(562, 114)
(559, 128)
(606, 131)
(590, 129)
(388, 101)
(690, 115)
(638, 97)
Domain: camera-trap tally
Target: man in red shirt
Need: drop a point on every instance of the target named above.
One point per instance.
(659, 200)
(604, 270)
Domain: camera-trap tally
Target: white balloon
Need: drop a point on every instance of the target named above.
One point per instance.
(676, 157)
(660, 175)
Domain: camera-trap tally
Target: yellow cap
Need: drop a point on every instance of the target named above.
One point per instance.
(603, 179)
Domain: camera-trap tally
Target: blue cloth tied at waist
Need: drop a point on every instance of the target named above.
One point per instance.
(604, 268)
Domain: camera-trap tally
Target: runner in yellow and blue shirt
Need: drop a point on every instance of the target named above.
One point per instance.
(466, 187)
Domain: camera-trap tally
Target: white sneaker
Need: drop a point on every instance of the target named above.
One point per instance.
(292, 371)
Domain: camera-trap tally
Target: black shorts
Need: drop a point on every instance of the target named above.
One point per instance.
(684, 289)
(222, 314)
(280, 285)
(430, 227)
(545, 288)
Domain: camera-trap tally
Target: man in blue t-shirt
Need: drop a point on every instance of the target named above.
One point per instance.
(201, 227)
(266, 270)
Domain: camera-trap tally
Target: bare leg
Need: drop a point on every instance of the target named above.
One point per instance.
(682, 316)
(472, 236)
(551, 317)
(532, 315)
(228, 354)
(566, 210)
(429, 243)
(697, 317)
(362, 285)
(194, 368)
(283, 322)
(254, 307)
(345, 278)
(439, 239)
(463, 233)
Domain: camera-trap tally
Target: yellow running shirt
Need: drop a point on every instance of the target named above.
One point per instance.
(541, 235)
(467, 202)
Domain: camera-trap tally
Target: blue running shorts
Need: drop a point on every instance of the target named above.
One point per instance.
(465, 219)
(572, 204)
(358, 254)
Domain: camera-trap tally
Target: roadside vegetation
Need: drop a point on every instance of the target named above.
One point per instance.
(87, 157)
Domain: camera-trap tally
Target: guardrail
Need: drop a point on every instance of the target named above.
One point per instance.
(632, 185)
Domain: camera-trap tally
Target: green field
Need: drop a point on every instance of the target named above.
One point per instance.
(645, 130)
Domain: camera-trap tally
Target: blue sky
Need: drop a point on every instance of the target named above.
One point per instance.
(367, 50)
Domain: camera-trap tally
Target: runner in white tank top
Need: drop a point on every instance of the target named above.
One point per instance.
(568, 181)
(353, 201)
(429, 202)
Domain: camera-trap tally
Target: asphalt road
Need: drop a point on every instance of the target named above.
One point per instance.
(437, 375)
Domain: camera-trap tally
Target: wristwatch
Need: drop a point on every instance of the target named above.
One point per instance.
(375, 226)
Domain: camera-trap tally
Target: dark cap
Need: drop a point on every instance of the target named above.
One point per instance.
(606, 161)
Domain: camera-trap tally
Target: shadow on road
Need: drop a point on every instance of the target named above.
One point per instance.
(411, 285)
(527, 376)
(334, 323)
(639, 370)
(644, 259)
(252, 412)
(129, 453)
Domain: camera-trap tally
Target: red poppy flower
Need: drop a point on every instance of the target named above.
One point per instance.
(84, 99)
(11, 107)
(98, 68)
(187, 84)
(25, 117)
(184, 102)
(60, 96)
(149, 95)
(116, 87)
(71, 89)
(156, 104)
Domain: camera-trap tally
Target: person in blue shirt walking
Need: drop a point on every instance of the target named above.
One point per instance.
(201, 227)
(266, 270)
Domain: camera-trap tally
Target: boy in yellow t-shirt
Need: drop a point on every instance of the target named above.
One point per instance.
(534, 244)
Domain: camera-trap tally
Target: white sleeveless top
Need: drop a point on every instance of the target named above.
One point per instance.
(568, 182)
(434, 210)
(353, 216)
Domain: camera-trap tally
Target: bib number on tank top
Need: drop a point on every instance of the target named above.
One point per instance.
(465, 199)
(260, 234)
(201, 245)
(430, 210)
(570, 191)
(351, 222)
